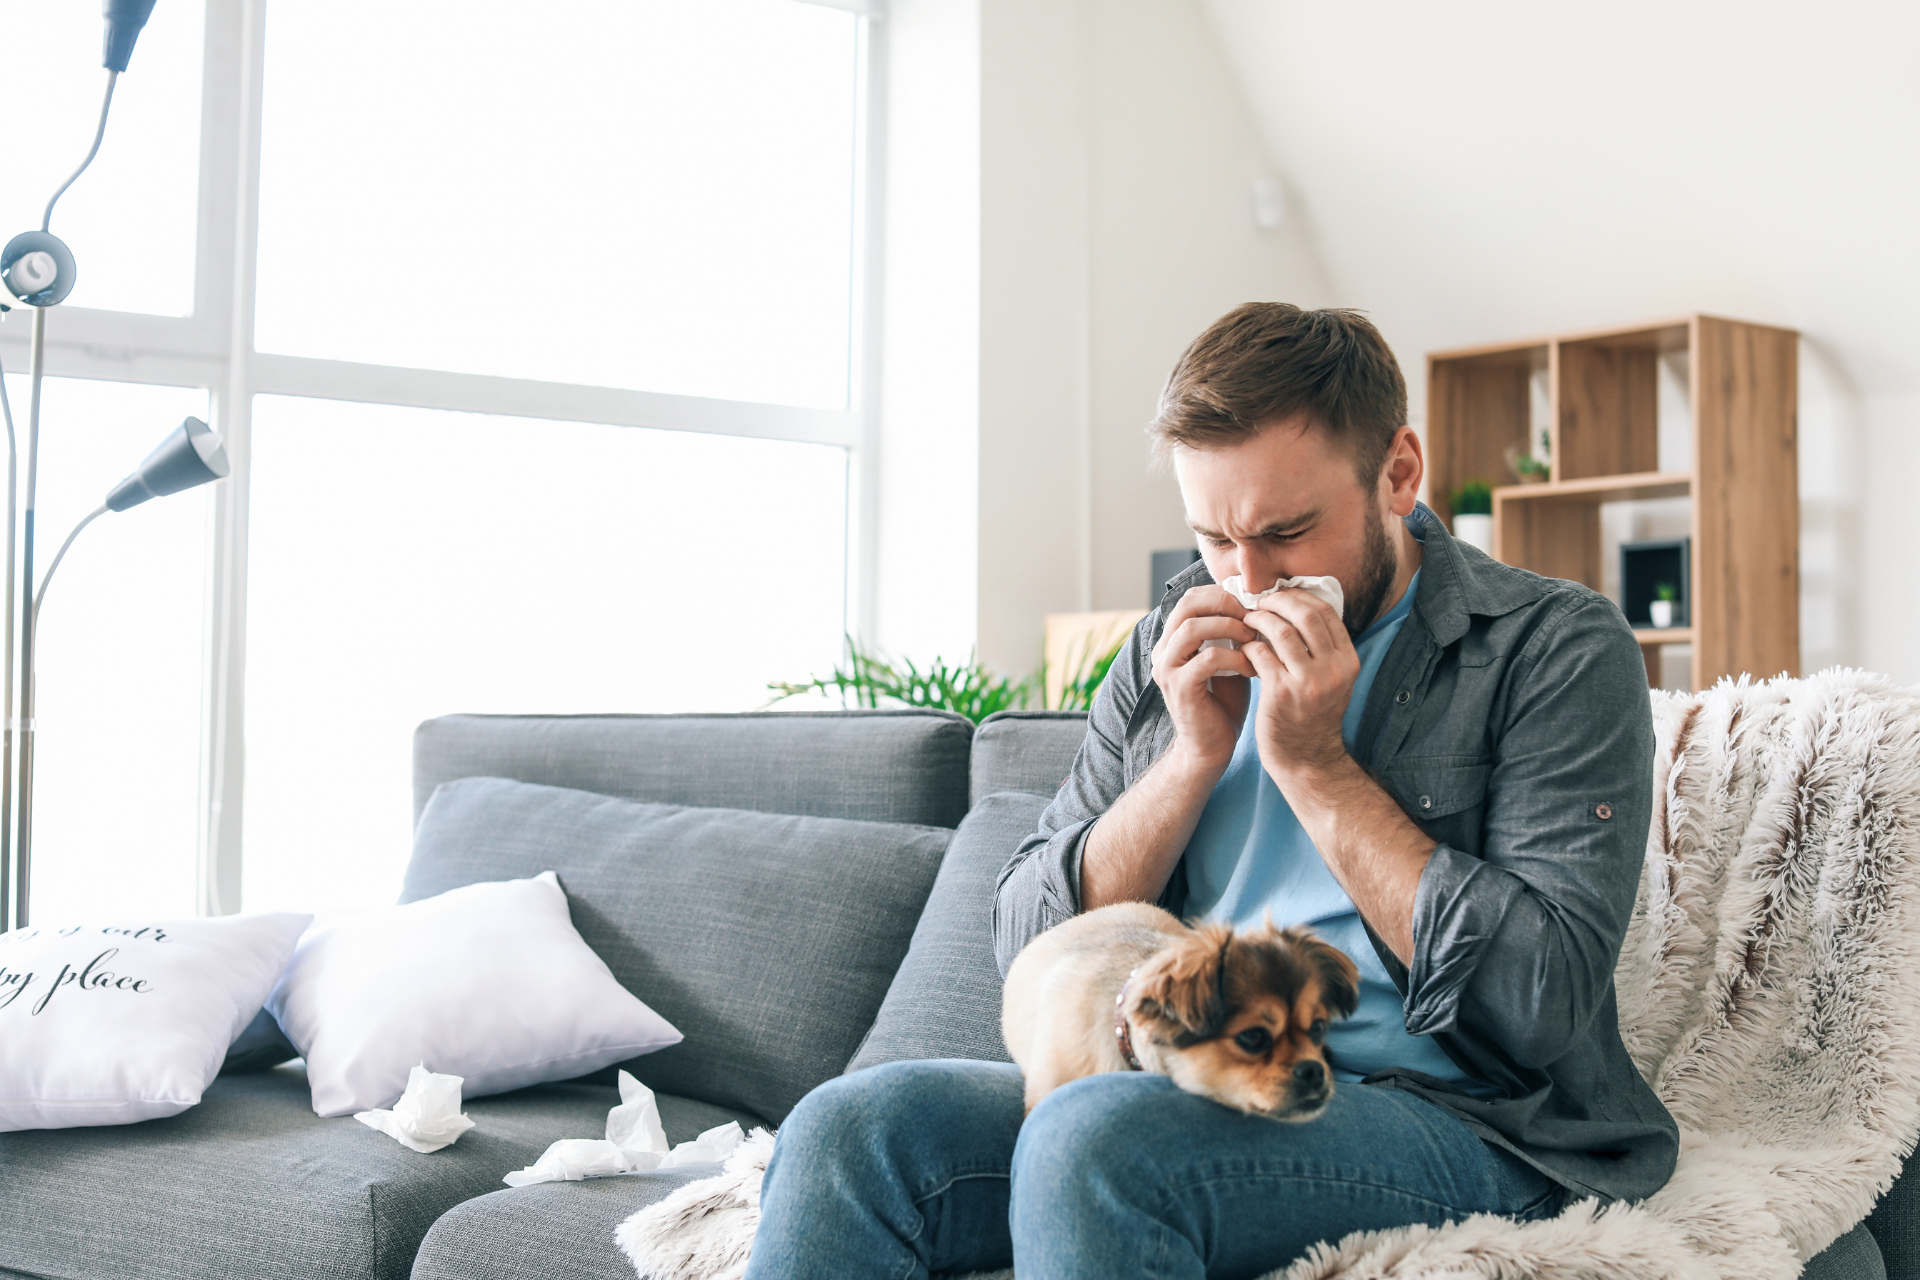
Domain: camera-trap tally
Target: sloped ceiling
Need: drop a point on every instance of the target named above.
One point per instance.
(1479, 170)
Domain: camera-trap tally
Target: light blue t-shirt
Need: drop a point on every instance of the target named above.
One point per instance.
(1250, 855)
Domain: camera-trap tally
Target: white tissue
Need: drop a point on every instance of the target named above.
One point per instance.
(635, 1123)
(714, 1145)
(1326, 586)
(635, 1143)
(427, 1116)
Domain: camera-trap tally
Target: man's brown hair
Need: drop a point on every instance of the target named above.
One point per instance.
(1265, 361)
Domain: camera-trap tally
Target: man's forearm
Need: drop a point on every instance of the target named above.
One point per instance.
(1372, 848)
(1132, 851)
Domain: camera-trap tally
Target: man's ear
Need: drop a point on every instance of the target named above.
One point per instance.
(1405, 468)
(1180, 989)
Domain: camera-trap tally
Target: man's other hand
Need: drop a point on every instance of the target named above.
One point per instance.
(1206, 717)
(1307, 665)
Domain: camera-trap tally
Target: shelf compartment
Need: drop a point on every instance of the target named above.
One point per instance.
(1553, 528)
(1480, 405)
(1607, 389)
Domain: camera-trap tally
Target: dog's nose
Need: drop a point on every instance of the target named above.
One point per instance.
(1309, 1074)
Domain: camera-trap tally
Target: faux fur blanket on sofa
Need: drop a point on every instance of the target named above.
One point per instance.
(1769, 990)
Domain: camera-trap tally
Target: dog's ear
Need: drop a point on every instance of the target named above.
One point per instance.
(1182, 986)
(1339, 977)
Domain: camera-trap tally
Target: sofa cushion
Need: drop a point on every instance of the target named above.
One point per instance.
(767, 939)
(1895, 1222)
(251, 1185)
(551, 1231)
(945, 1001)
(1029, 751)
(1854, 1256)
(875, 766)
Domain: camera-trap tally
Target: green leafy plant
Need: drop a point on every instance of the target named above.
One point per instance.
(1666, 591)
(1085, 675)
(1474, 498)
(869, 678)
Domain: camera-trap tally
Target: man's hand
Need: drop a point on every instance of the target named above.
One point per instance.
(1207, 712)
(1134, 848)
(1307, 665)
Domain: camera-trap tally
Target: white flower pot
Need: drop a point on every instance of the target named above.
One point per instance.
(1475, 531)
(1662, 612)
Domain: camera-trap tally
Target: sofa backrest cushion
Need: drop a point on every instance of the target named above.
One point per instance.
(769, 940)
(873, 766)
(945, 1001)
(1027, 751)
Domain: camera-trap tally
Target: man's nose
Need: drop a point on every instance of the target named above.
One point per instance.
(1258, 566)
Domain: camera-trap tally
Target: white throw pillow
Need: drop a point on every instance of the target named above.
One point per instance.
(109, 1024)
(490, 982)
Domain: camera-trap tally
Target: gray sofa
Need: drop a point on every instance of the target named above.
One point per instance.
(250, 1185)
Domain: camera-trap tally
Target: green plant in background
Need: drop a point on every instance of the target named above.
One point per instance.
(1085, 674)
(870, 679)
(1474, 498)
(1666, 591)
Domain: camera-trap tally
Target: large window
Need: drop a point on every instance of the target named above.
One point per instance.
(537, 345)
(491, 564)
(628, 193)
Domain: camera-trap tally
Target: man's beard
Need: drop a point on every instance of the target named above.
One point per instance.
(1377, 569)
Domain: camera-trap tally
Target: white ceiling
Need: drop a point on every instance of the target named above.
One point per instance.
(1479, 170)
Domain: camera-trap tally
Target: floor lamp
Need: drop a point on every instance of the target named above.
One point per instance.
(37, 272)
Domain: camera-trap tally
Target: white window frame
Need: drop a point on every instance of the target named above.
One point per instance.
(213, 349)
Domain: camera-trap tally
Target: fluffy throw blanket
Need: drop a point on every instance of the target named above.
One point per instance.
(1769, 990)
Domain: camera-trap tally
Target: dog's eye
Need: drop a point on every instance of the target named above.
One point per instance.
(1254, 1040)
(1318, 1031)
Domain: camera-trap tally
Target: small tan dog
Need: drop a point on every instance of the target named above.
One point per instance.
(1237, 1017)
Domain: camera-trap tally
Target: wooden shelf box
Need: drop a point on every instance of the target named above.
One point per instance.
(1603, 429)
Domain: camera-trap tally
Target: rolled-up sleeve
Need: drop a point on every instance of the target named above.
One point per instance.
(1040, 885)
(1521, 942)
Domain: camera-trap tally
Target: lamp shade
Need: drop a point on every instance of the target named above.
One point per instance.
(124, 20)
(192, 455)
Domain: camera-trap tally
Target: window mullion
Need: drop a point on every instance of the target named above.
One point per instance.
(241, 26)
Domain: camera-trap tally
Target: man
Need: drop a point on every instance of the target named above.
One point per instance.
(1452, 782)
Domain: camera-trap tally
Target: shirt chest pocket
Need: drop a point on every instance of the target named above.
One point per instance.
(1446, 795)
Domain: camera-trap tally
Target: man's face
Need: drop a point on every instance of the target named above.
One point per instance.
(1288, 503)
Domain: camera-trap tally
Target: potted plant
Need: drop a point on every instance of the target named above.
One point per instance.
(871, 679)
(1472, 505)
(1661, 606)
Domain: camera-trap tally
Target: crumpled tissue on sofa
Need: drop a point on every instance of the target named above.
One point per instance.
(635, 1143)
(427, 1117)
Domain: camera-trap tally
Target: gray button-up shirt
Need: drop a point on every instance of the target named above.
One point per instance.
(1510, 721)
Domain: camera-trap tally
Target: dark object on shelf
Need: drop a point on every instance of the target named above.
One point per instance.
(1166, 566)
(1644, 567)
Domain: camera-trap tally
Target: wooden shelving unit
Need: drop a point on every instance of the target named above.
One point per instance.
(1602, 418)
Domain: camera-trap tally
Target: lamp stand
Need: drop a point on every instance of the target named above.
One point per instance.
(19, 785)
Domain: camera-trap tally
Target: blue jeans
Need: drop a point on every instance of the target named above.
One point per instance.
(919, 1167)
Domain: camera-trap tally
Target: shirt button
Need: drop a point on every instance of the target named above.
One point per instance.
(1603, 811)
(1426, 802)
(1401, 697)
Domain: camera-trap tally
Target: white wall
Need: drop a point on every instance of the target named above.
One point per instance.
(1069, 188)
(927, 449)
(1494, 169)
(1174, 154)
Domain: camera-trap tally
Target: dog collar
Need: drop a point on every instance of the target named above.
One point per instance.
(1121, 1032)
